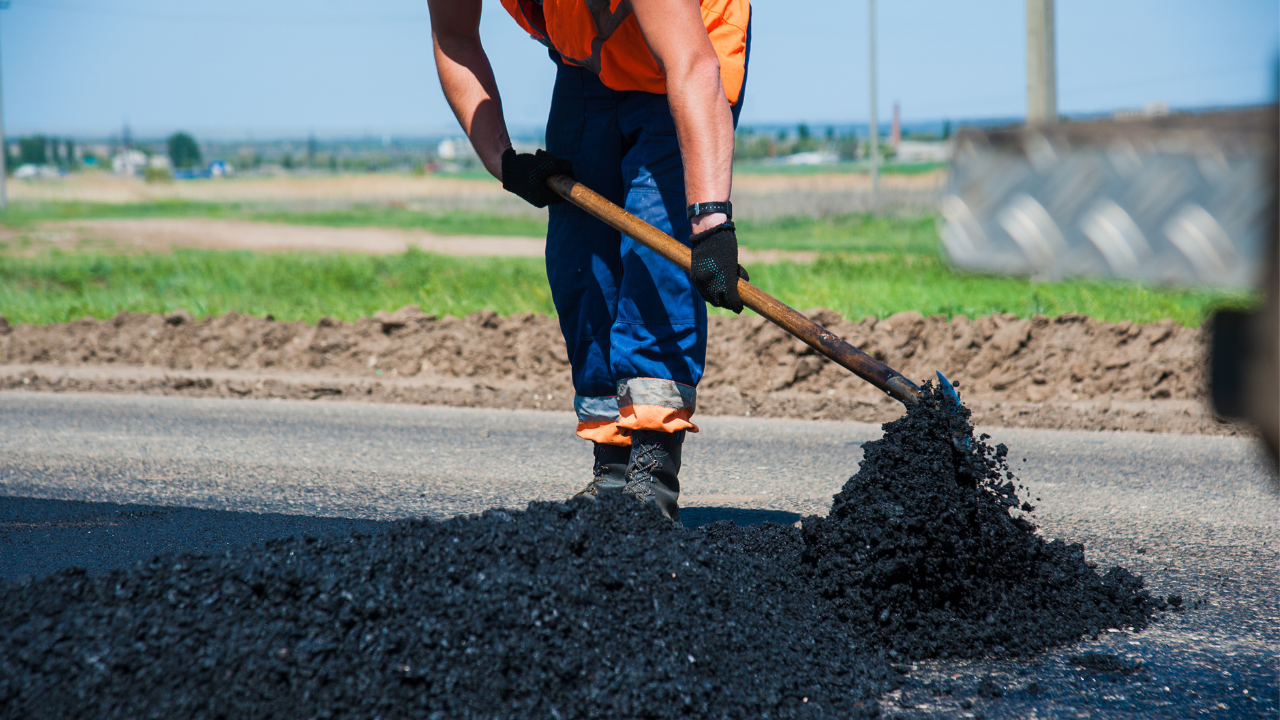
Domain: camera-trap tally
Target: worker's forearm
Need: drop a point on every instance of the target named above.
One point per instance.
(704, 126)
(469, 87)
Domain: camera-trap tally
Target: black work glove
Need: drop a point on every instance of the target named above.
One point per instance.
(715, 267)
(526, 174)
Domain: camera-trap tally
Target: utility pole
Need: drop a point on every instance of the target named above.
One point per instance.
(4, 147)
(1042, 71)
(874, 139)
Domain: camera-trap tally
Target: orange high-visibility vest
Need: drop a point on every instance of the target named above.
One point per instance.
(604, 37)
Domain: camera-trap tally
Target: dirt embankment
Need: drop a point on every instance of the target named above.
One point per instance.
(1065, 372)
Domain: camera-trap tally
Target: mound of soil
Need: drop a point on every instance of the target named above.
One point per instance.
(584, 609)
(1066, 358)
(925, 549)
(590, 608)
(1066, 372)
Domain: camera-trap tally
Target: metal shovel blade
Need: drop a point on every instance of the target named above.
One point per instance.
(948, 389)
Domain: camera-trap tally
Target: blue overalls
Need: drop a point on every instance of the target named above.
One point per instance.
(634, 325)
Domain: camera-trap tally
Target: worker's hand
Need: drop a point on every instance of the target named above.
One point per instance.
(715, 267)
(526, 174)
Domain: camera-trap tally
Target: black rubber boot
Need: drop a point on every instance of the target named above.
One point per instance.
(655, 465)
(610, 471)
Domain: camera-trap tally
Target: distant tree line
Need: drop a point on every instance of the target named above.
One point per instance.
(752, 145)
(186, 153)
(42, 150)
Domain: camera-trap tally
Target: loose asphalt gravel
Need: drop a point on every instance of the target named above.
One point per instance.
(1194, 515)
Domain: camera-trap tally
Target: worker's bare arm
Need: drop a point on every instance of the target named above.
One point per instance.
(678, 39)
(467, 78)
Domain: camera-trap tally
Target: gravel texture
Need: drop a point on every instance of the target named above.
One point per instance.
(584, 609)
(590, 608)
(927, 549)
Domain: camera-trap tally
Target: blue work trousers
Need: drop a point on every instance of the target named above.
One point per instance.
(634, 324)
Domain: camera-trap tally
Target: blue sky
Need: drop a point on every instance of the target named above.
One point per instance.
(241, 68)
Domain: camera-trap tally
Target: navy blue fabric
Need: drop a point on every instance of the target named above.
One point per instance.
(624, 310)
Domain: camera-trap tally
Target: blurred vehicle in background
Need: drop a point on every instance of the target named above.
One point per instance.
(1172, 199)
(29, 171)
(129, 162)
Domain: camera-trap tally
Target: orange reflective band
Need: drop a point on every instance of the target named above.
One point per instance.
(656, 417)
(605, 432)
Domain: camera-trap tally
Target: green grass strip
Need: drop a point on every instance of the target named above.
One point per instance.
(860, 286)
(863, 233)
(57, 287)
(23, 216)
(844, 167)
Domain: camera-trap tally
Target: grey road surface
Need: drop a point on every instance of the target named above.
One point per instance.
(103, 481)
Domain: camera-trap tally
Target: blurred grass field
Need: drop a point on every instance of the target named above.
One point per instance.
(27, 216)
(847, 233)
(867, 265)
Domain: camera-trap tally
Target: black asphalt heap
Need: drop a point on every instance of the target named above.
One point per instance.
(926, 550)
(585, 609)
(591, 608)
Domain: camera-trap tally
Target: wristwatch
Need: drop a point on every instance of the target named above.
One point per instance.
(711, 207)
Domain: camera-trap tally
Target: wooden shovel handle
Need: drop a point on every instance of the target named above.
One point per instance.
(782, 315)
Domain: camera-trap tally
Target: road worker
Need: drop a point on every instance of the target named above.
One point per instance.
(646, 99)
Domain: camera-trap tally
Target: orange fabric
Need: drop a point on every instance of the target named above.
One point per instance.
(609, 42)
(656, 417)
(606, 432)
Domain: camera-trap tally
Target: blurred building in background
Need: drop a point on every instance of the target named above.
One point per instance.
(129, 162)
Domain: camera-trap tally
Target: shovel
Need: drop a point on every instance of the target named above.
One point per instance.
(814, 335)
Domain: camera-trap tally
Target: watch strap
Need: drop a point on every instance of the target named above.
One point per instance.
(709, 207)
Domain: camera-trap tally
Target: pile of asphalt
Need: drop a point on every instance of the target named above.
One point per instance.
(582, 609)
(929, 550)
(589, 608)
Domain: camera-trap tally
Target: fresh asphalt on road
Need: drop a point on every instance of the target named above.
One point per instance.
(104, 481)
